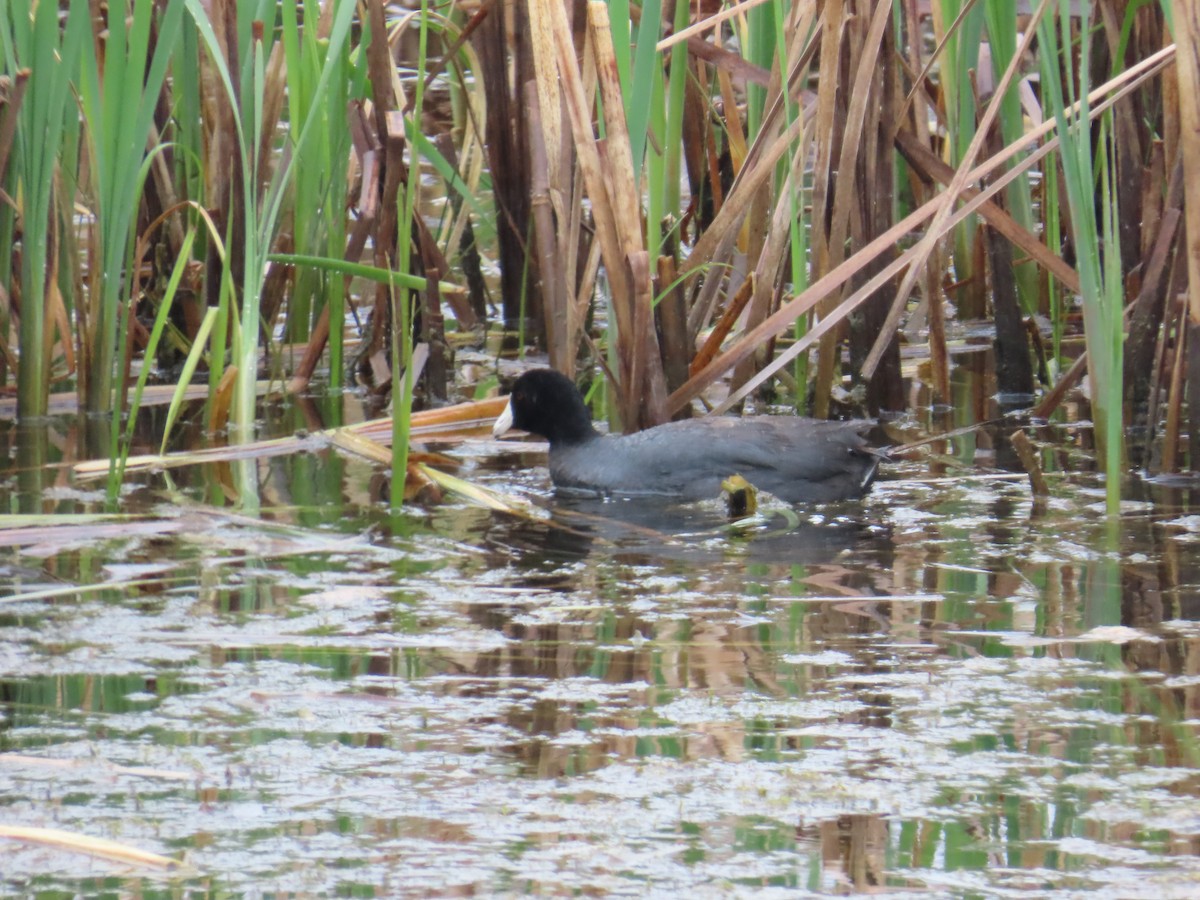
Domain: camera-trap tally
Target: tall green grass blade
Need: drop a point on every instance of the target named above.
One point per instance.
(318, 199)
(1098, 266)
(960, 58)
(161, 318)
(306, 199)
(645, 89)
(622, 36)
(1108, 361)
(8, 229)
(655, 168)
(793, 194)
(1053, 227)
(673, 126)
(1001, 17)
(403, 312)
(33, 38)
(118, 96)
(357, 270)
(185, 377)
(263, 206)
(485, 231)
(761, 49)
(188, 136)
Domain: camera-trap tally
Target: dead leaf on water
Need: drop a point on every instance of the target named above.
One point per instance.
(92, 846)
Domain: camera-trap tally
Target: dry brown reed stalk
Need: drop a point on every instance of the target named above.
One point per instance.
(716, 243)
(1029, 461)
(505, 65)
(458, 230)
(728, 61)
(461, 420)
(847, 123)
(799, 305)
(374, 362)
(163, 195)
(826, 256)
(556, 302)
(642, 391)
(932, 170)
(224, 192)
(1156, 376)
(65, 403)
(733, 311)
(708, 23)
(913, 121)
(950, 196)
(770, 231)
(1010, 346)
(579, 113)
(567, 286)
(607, 171)
(672, 322)
(1131, 136)
(782, 319)
(1146, 334)
(1187, 25)
(11, 94)
(379, 140)
(876, 200)
(1155, 279)
(1184, 336)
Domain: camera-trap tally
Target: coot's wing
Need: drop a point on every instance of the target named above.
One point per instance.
(797, 459)
(773, 449)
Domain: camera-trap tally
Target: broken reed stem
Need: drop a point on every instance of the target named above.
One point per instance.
(1027, 455)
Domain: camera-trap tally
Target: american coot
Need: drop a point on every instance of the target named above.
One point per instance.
(795, 459)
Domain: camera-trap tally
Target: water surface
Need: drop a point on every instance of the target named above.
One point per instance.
(940, 688)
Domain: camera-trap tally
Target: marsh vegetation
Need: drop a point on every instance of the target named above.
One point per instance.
(253, 255)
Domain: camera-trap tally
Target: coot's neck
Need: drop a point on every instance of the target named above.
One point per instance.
(571, 427)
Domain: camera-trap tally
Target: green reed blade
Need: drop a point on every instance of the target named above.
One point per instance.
(672, 141)
(645, 91)
(185, 377)
(118, 97)
(960, 58)
(33, 39)
(263, 206)
(1001, 18)
(161, 318)
(1098, 264)
(403, 314)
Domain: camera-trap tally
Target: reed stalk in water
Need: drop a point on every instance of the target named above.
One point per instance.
(1097, 245)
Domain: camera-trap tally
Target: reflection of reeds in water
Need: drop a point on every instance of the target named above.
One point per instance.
(794, 176)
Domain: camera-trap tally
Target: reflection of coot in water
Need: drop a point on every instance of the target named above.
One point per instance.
(798, 460)
(653, 530)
